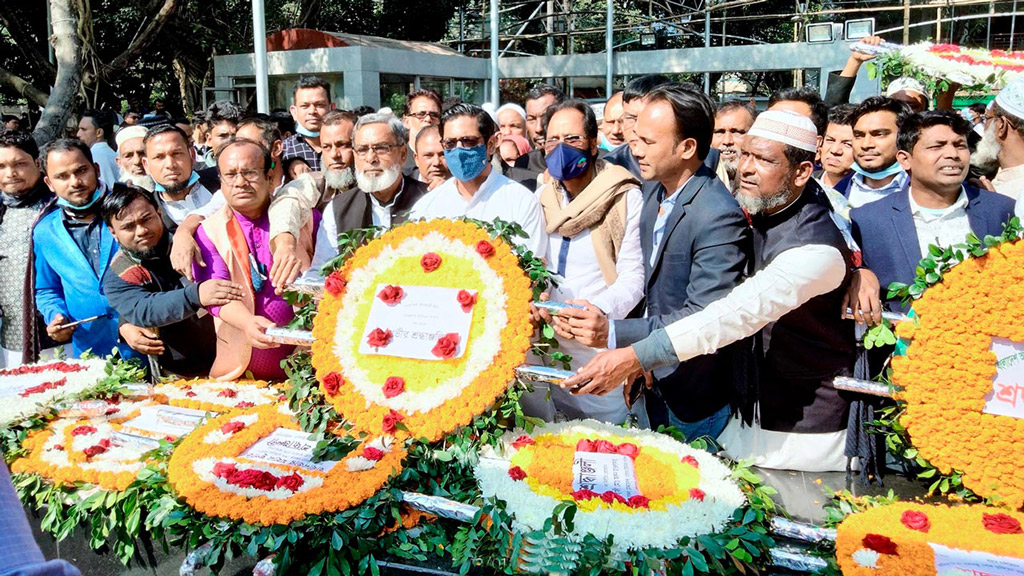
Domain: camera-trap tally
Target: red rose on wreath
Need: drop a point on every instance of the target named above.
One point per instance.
(224, 469)
(391, 420)
(485, 248)
(227, 393)
(604, 447)
(628, 449)
(190, 394)
(83, 430)
(697, 494)
(232, 427)
(880, 544)
(431, 261)
(584, 494)
(334, 284)
(292, 482)
(691, 461)
(523, 440)
(516, 473)
(371, 453)
(611, 497)
(94, 450)
(467, 300)
(379, 338)
(391, 295)
(394, 386)
(446, 346)
(916, 520)
(244, 404)
(585, 445)
(111, 411)
(332, 383)
(1001, 523)
(638, 501)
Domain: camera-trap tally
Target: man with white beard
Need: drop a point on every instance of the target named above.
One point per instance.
(1002, 143)
(382, 196)
(131, 150)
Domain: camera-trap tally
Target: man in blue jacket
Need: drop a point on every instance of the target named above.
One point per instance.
(935, 208)
(71, 252)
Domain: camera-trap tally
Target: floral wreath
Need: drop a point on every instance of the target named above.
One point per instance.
(427, 398)
(681, 491)
(210, 472)
(966, 66)
(948, 375)
(23, 390)
(900, 539)
(218, 396)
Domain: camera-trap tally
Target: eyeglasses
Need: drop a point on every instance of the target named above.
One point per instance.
(573, 140)
(424, 114)
(378, 149)
(465, 142)
(627, 120)
(248, 175)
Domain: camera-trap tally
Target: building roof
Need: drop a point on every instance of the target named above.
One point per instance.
(305, 39)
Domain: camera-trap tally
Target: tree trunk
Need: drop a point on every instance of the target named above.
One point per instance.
(23, 87)
(67, 52)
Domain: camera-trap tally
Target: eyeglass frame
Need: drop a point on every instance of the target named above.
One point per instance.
(379, 149)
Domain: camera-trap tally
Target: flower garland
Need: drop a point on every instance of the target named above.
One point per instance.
(907, 539)
(423, 397)
(948, 372)
(681, 491)
(967, 66)
(217, 396)
(210, 471)
(89, 448)
(25, 389)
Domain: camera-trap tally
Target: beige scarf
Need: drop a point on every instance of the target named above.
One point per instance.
(600, 208)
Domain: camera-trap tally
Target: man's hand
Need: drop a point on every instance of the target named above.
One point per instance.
(289, 262)
(588, 326)
(539, 316)
(870, 41)
(184, 251)
(605, 372)
(256, 332)
(219, 292)
(59, 334)
(141, 340)
(863, 298)
(984, 183)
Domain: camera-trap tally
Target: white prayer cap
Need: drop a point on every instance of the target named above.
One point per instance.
(1011, 97)
(386, 111)
(511, 106)
(906, 84)
(787, 127)
(129, 132)
(491, 110)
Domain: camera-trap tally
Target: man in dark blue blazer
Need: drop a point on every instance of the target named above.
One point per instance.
(696, 243)
(936, 207)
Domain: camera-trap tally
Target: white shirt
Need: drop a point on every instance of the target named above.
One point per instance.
(327, 236)
(498, 197)
(1009, 181)
(942, 227)
(197, 200)
(105, 156)
(861, 193)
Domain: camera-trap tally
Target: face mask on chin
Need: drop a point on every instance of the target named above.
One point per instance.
(299, 129)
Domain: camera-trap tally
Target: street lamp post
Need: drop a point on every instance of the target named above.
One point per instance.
(259, 41)
(495, 92)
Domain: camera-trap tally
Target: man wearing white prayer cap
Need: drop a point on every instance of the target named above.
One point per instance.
(791, 305)
(130, 152)
(911, 91)
(1002, 142)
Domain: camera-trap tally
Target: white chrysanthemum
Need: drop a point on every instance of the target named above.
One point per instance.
(866, 558)
(14, 406)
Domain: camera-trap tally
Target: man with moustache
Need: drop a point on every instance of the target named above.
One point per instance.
(430, 166)
(538, 100)
(422, 109)
(24, 195)
(876, 123)
(732, 121)
(802, 266)
(131, 154)
(177, 188)
(311, 100)
(611, 124)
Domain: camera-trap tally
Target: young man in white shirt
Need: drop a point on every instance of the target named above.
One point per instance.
(476, 190)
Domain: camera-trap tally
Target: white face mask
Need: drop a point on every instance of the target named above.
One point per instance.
(385, 180)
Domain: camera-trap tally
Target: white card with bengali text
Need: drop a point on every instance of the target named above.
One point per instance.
(424, 315)
(1007, 395)
(603, 472)
(955, 562)
(287, 447)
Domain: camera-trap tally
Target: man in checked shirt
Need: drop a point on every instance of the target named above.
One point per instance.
(311, 100)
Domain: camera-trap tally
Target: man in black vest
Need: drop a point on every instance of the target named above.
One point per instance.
(802, 267)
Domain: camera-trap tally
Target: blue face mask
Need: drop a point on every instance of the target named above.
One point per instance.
(466, 164)
(191, 182)
(883, 173)
(307, 133)
(69, 206)
(567, 163)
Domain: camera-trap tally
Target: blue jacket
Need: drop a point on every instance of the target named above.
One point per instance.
(703, 255)
(66, 284)
(887, 237)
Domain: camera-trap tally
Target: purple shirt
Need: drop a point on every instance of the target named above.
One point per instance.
(264, 364)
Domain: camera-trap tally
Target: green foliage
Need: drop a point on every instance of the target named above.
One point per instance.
(879, 335)
(348, 243)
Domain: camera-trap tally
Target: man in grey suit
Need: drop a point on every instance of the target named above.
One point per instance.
(697, 245)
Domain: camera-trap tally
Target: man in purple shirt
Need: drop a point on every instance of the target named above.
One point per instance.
(235, 245)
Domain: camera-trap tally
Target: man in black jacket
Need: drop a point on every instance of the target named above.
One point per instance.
(160, 312)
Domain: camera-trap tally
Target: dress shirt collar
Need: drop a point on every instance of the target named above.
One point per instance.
(959, 206)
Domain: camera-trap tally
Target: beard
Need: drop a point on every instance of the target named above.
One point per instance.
(730, 164)
(175, 188)
(764, 203)
(371, 184)
(339, 179)
(144, 181)
(986, 156)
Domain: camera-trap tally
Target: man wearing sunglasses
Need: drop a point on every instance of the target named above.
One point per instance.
(422, 109)
(469, 137)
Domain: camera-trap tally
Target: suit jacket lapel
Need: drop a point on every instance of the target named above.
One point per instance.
(648, 214)
(686, 195)
(979, 224)
(904, 229)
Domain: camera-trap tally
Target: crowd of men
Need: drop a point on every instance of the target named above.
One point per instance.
(717, 259)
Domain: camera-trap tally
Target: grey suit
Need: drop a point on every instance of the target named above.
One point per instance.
(704, 253)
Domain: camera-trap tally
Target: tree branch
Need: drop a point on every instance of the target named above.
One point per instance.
(67, 51)
(24, 44)
(23, 87)
(143, 40)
